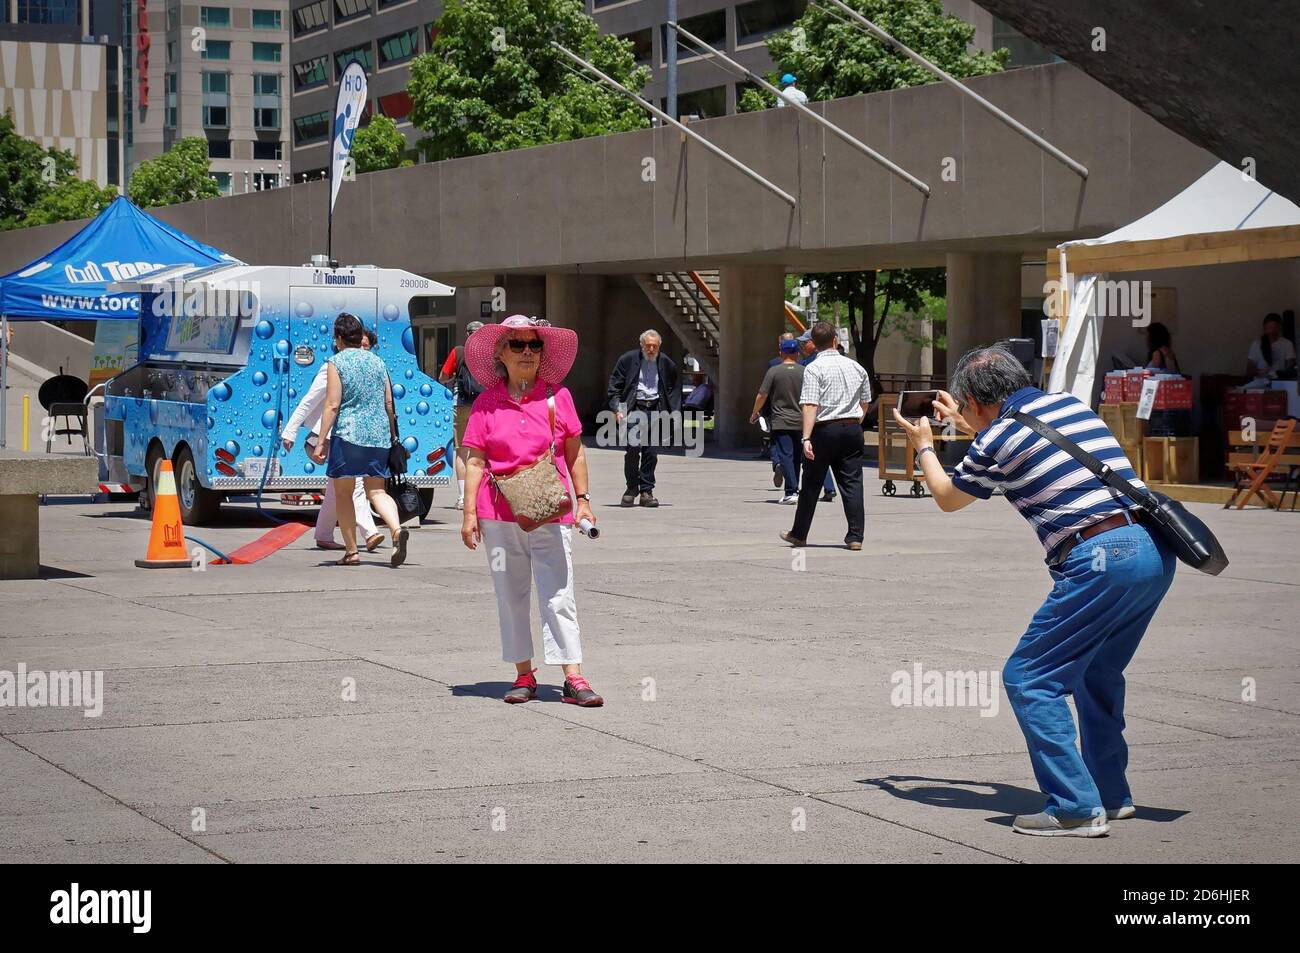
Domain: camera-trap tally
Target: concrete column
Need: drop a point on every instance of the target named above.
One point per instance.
(751, 321)
(20, 543)
(578, 302)
(983, 301)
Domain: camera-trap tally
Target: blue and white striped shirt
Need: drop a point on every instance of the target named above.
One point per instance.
(1057, 494)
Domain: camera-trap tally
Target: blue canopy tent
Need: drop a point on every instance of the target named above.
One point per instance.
(71, 282)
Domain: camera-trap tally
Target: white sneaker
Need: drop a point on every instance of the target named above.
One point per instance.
(1049, 825)
(791, 499)
(1122, 813)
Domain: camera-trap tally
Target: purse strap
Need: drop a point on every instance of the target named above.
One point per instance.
(550, 410)
(1103, 472)
(393, 432)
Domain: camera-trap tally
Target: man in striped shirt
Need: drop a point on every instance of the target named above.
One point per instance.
(1110, 575)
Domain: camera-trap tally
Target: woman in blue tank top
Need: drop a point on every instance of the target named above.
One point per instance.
(357, 429)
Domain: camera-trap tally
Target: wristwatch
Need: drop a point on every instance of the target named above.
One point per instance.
(923, 450)
(583, 496)
(806, 440)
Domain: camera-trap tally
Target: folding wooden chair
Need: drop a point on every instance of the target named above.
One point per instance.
(1251, 477)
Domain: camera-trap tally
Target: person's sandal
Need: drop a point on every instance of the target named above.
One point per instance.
(329, 544)
(374, 542)
(399, 550)
(578, 691)
(523, 690)
(350, 559)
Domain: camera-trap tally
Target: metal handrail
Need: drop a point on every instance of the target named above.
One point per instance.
(1078, 167)
(856, 143)
(660, 114)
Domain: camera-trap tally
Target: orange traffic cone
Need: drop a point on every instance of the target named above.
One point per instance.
(167, 538)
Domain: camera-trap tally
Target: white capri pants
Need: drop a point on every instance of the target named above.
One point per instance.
(516, 560)
(328, 516)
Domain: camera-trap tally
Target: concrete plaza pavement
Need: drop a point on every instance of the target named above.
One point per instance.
(748, 706)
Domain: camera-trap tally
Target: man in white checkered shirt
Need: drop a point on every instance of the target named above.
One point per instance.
(835, 396)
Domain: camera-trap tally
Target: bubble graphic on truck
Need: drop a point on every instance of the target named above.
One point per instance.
(264, 329)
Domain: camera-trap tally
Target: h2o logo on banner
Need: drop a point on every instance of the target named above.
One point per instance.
(347, 117)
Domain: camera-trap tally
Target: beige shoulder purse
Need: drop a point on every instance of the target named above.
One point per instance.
(535, 492)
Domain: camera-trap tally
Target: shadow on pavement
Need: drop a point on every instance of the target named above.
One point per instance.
(988, 796)
(53, 572)
(545, 693)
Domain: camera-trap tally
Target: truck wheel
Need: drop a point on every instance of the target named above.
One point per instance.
(426, 502)
(199, 505)
(152, 464)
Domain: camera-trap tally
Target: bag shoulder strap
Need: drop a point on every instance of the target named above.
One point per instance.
(1099, 469)
(550, 411)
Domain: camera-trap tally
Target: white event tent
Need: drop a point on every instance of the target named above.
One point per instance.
(1224, 216)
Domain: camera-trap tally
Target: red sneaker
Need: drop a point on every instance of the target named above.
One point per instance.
(577, 691)
(523, 690)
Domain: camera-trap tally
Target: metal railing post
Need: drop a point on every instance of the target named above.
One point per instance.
(656, 111)
(862, 147)
(1035, 138)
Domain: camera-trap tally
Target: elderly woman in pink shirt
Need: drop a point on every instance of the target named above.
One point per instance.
(521, 362)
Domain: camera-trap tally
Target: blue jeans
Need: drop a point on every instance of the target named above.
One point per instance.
(1079, 643)
(787, 453)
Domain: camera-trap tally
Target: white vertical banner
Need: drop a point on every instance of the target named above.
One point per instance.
(347, 116)
(1078, 345)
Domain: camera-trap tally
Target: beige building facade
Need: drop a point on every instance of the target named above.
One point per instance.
(218, 72)
(58, 95)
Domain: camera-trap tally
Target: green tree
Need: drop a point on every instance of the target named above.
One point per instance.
(832, 58)
(28, 172)
(74, 199)
(492, 81)
(178, 175)
(380, 145)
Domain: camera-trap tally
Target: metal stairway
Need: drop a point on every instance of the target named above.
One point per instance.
(688, 302)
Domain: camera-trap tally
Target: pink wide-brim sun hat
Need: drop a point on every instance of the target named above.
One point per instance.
(559, 351)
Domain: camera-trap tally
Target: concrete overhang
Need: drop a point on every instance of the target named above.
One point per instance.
(1222, 75)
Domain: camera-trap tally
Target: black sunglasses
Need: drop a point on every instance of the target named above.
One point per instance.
(518, 346)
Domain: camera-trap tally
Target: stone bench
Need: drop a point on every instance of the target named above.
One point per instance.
(23, 481)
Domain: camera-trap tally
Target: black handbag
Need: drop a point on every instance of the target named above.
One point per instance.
(398, 456)
(407, 497)
(1189, 538)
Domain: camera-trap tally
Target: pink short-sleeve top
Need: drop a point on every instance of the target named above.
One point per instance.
(514, 434)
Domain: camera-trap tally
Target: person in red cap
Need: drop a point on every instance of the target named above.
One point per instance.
(521, 413)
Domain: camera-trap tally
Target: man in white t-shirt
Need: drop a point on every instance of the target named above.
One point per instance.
(791, 92)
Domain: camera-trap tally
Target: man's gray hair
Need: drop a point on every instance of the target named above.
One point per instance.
(651, 333)
(988, 376)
